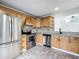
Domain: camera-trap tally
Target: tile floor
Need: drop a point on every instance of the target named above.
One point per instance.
(42, 52)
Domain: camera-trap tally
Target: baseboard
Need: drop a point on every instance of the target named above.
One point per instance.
(65, 51)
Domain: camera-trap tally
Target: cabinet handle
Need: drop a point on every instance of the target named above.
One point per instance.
(76, 38)
(58, 39)
(69, 40)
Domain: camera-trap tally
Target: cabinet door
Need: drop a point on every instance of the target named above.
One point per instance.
(74, 45)
(47, 22)
(39, 38)
(37, 23)
(64, 43)
(55, 41)
(23, 42)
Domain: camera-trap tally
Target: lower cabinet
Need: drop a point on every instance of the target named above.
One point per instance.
(24, 44)
(62, 42)
(66, 43)
(55, 41)
(74, 44)
(39, 38)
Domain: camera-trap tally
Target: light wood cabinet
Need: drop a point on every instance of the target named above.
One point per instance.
(74, 44)
(33, 21)
(47, 22)
(40, 22)
(66, 43)
(24, 42)
(37, 23)
(39, 38)
(55, 41)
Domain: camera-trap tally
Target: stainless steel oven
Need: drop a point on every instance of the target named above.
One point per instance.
(31, 42)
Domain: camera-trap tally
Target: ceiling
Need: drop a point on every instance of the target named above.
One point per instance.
(42, 7)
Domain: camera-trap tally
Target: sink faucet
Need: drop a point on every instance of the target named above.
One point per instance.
(60, 31)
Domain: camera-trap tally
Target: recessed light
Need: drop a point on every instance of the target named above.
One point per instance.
(56, 8)
(67, 20)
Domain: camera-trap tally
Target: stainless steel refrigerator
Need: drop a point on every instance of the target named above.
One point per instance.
(10, 35)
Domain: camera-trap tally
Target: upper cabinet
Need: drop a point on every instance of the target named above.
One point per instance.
(47, 22)
(11, 12)
(35, 22)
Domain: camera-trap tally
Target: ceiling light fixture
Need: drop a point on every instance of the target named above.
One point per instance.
(56, 9)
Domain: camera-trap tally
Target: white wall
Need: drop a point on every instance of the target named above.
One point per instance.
(63, 23)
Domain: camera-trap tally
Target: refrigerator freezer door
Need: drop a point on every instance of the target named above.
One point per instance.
(10, 51)
(17, 50)
(16, 29)
(4, 29)
(6, 51)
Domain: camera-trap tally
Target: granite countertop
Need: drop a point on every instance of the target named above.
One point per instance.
(70, 34)
(51, 31)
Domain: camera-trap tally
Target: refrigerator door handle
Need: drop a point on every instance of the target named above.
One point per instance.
(10, 27)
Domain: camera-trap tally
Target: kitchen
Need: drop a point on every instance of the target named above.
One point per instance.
(21, 32)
